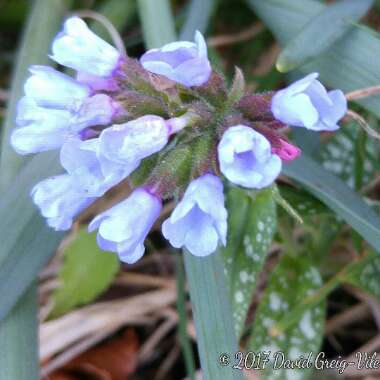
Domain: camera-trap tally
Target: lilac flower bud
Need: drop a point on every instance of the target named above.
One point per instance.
(306, 103)
(199, 221)
(41, 129)
(52, 89)
(135, 140)
(81, 161)
(82, 50)
(245, 158)
(124, 227)
(60, 200)
(183, 62)
(97, 83)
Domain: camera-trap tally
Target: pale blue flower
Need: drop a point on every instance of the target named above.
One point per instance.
(53, 89)
(60, 200)
(131, 142)
(124, 227)
(306, 103)
(81, 161)
(82, 50)
(199, 221)
(41, 129)
(245, 158)
(183, 62)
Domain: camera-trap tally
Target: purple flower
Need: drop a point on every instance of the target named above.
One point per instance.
(183, 62)
(306, 103)
(60, 200)
(199, 221)
(245, 158)
(97, 83)
(124, 227)
(82, 50)
(81, 161)
(131, 142)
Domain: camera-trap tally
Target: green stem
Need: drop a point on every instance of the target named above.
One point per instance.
(212, 315)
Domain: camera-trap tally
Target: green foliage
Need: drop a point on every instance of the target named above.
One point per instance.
(335, 21)
(291, 281)
(86, 272)
(337, 196)
(364, 274)
(252, 223)
(342, 65)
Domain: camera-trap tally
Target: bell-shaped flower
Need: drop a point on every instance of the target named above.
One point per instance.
(81, 161)
(306, 103)
(199, 221)
(124, 227)
(183, 62)
(245, 158)
(76, 46)
(131, 142)
(40, 129)
(286, 151)
(60, 200)
(53, 89)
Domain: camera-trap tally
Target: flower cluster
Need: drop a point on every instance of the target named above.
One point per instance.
(168, 123)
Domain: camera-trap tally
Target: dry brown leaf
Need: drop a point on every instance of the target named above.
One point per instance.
(114, 360)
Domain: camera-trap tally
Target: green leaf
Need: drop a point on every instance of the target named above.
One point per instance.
(344, 154)
(365, 274)
(18, 339)
(342, 65)
(252, 223)
(337, 196)
(302, 201)
(237, 89)
(334, 20)
(157, 22)
(212, 315)
(291, 281)
(198, 17)
(86, 272)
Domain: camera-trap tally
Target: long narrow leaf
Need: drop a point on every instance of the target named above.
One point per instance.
(337, 196)
(18, 340)
(197, 18)
(335, 21)
(212, 314)
(157, 22)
